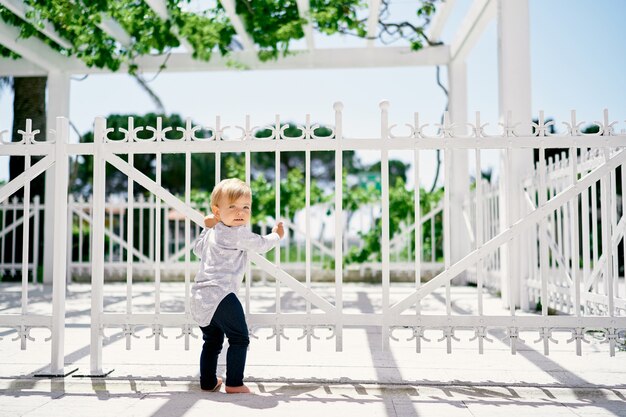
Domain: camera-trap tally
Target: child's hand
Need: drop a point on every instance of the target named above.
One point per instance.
(210, 221)
(279, 229)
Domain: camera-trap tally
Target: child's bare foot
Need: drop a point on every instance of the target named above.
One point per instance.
(237, 390)
(217, 386)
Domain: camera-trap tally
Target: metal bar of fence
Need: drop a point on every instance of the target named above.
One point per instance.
(278, 331)
(157, 252)
(561, 208)
(543, 230)
(339, 230)
(97, 269)
(35, 263)
(479, 241)
(417, 210)
(447, 235)
(496, 241)
(60, 245)
(384, 183)
(248, 173)
(594, 230)
(25, 244)
(130, 239)
(187, 331)
(307, 214)
(421, 143)
(28, 175)
(623, 170)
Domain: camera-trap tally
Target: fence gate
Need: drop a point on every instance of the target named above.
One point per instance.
(54, 158)
(576, 271)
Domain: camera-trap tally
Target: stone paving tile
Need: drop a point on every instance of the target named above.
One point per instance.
(321, 383)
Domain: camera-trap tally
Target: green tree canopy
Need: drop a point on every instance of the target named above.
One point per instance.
(271, 24)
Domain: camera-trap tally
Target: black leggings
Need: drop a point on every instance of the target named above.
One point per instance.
(228, 320)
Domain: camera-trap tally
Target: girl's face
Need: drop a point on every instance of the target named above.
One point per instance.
(233, 213)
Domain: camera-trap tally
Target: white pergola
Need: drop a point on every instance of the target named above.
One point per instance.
(38, 59)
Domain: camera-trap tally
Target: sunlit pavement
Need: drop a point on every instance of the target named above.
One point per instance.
(362, 379)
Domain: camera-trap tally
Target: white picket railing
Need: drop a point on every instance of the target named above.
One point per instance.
(532, 231)
(12, 228)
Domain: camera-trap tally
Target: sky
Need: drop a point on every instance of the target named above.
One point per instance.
(578, 61)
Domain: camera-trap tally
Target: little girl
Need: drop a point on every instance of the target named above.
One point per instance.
(223, 251)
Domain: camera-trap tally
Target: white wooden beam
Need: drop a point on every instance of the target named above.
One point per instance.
(160, 8)
(110, 26)
(372, 21)
(304, 9)
(481, 12)
(246, 40)
(20, 68)
(19, 8)
(440, 19)
(318, 58)
(35, 51)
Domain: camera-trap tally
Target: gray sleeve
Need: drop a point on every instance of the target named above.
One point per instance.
(198, 245)
(251, 241)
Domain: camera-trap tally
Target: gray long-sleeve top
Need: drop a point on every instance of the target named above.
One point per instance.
(223, 253)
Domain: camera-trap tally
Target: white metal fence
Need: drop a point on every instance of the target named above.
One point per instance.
(531, 231)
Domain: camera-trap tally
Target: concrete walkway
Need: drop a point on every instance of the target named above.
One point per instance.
(361, 380)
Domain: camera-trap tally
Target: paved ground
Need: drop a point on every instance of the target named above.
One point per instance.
(361, 380)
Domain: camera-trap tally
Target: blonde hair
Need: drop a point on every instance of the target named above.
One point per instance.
(232, 189)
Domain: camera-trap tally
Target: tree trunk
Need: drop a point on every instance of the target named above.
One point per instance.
(29, 102)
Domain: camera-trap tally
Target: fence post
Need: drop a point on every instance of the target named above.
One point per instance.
(384, 184)
(59, 266)
(58, 106)
(458, 158)
(97, 245)
(339, 227)
(514, 98)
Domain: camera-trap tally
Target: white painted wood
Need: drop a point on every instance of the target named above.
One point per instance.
(439, 20)
(304, 8)
(19, 8)
(35, 50)
(459, 159)
(235, 20)
(184, 62)
(479, 15)
(58, 105)
(112, 28)
(372, 22)
(514, 88)
(20, 67)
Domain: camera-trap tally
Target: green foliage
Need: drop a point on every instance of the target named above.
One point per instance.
(292, 192)
(172, 166)
(401, 204)
(332, 17)
(273, 25)
(77, 21)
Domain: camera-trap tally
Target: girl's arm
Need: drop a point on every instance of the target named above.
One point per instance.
(251, 241)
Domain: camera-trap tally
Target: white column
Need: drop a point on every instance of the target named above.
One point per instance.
(61, 168)
(514, 96)
(459, 184)
(58, 105)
